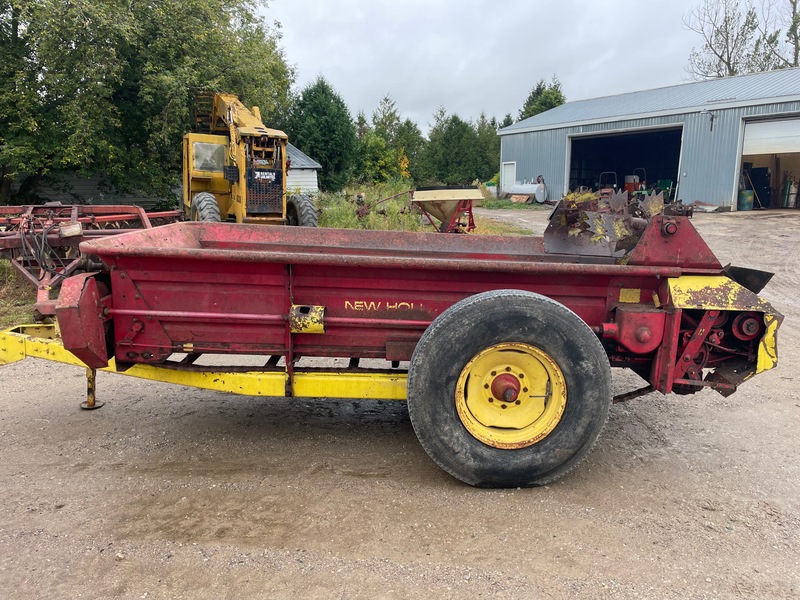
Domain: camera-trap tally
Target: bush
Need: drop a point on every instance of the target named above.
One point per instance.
(341, 210)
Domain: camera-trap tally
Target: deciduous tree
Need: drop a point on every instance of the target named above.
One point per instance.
(730, 39)
(738, 37)
(106, 86)
(779, 28)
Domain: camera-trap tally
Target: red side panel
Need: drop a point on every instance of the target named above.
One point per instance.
(80, 318)
(673, 241)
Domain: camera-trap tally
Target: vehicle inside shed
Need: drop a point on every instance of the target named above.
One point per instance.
(646, 159)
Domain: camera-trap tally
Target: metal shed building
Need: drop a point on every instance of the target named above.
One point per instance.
(709, 139)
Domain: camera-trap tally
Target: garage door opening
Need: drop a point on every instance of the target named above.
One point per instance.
(653, 156)
(770, 168)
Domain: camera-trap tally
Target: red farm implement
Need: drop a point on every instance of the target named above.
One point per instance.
(42, 241)
(502, 349)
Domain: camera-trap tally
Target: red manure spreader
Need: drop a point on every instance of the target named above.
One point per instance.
(502, 346)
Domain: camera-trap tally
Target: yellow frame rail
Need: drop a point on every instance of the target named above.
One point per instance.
(42, 341)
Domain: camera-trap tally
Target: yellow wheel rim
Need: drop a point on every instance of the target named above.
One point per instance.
(511, 395)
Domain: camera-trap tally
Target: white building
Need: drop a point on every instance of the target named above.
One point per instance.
(301, 175)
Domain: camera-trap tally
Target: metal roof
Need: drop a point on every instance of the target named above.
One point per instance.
(727, 92)
(299, 159)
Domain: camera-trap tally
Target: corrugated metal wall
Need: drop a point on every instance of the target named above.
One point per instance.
(709, 161)
(538, 153)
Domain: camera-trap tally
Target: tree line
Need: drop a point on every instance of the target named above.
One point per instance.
(739, 37)
(105, 87)
(387, 147)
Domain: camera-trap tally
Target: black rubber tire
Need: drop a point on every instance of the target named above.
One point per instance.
(300, 210)
(497, 317)
(205, 208)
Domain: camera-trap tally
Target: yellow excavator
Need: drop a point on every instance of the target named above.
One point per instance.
(234, 167)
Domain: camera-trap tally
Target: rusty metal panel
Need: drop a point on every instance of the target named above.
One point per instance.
(192, 286)
(674, 241)
(81, 318)
(212, 306)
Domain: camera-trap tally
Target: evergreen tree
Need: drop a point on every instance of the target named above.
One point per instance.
(411, 143)
(362, 125)
(488, 147)
(386, 120)
(321, 127)
(541, 98)
(451, 155)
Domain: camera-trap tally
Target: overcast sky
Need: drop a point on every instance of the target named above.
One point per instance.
(480, 55)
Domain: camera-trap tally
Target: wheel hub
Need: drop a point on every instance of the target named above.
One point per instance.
(505, 388)
(510, 395)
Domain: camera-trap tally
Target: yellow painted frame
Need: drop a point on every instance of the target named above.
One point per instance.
(41, 341)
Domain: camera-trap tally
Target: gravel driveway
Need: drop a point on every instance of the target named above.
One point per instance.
(171, 492)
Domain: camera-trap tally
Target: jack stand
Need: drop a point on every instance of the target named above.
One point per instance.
(91, 384)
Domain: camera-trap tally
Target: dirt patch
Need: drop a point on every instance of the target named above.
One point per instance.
(170, 492)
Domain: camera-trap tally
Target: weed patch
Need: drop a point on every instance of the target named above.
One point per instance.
(17, 297)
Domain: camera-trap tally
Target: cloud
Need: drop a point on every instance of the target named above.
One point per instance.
(474, 56)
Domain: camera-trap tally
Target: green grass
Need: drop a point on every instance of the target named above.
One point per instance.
(396, 214)
(17, 297)
(495, 203)
(492, 227)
